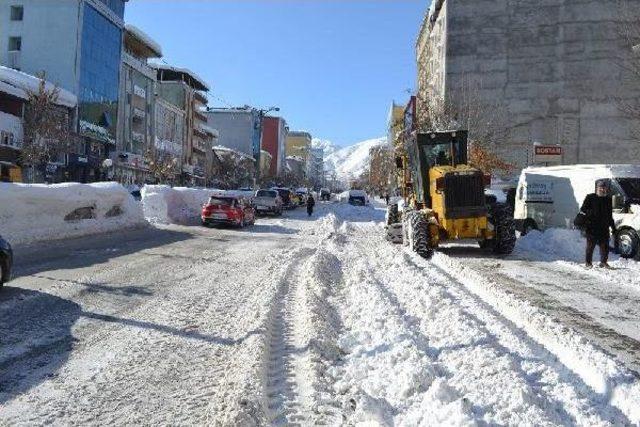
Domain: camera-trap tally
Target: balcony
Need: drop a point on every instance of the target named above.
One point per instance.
(138, 114)
(137, 137)
(198, 115)
(198, 96)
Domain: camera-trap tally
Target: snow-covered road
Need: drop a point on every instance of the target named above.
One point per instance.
(302, 322)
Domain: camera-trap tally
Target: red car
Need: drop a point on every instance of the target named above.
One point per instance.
(228, 210)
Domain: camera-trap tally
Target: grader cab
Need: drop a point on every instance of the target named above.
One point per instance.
(443, 198)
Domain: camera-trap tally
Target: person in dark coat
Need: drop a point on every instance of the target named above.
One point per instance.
(598, 211)
(310, 204)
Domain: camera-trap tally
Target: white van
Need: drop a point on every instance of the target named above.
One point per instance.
(552, 196)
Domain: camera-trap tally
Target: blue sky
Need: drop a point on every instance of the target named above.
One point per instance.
(332, 66)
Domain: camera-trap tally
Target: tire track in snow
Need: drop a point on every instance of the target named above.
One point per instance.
(551, 393)
(301, 343)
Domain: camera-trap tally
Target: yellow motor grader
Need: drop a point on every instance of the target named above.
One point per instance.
(444, 198)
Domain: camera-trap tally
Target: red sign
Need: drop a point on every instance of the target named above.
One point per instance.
(548, 150)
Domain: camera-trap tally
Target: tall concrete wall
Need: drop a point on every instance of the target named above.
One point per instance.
(551, 66)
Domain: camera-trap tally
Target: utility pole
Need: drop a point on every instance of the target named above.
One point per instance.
(261, 112)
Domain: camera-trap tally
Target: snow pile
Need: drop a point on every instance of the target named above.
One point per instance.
(180, 205)
(351, 162)
(165, 205)
(561, 244)
(34, 212)
(552, 244)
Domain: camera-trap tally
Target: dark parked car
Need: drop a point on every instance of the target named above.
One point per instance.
(6, 261)
(287, 197)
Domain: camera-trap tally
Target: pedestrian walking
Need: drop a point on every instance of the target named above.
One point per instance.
(386, 198)
(310, 204)
(595, 219)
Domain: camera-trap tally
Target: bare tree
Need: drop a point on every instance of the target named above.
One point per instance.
(381, 169)
(231, 170)
(163, 165)
(465, 108)
(46, 128)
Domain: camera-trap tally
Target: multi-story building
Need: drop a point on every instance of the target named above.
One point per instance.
(296, 167)
(78, 44)
(315, 167)
(240, 129)
(395, 123)
(298, 144)
(274, 136)
(136, 112)
(14, 97)
(182, 92)
(542, 72)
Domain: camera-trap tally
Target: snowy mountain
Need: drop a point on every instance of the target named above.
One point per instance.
(347, 162)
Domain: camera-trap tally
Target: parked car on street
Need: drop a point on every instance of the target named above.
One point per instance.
(325, 194)
(229, 210)
(287, 197)
(268, 202)
(6, 261)
(357, 198)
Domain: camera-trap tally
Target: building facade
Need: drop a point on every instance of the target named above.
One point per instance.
(298, 144)
(274, 136)
(78, 44)
(544, 73)
(183, 95)
(239, 128)
(137, 108)
(395, 123)
(15, 87)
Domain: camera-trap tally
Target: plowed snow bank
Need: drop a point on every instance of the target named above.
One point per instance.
(179, 205)
(34, 212)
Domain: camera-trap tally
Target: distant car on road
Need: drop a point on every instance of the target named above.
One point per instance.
(6, 261)
(287, 197)
(357, 198)
(230, 210)
(325, 194)
(268, 202)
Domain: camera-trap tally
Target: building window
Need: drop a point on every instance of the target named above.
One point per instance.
(15, 44)
(99, 70)
(17, 13)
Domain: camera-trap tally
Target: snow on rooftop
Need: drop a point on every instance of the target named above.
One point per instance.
(28, 83)
(12, 90)
(162, 66)
(232, 151)
(144, 38)
(206, 129)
